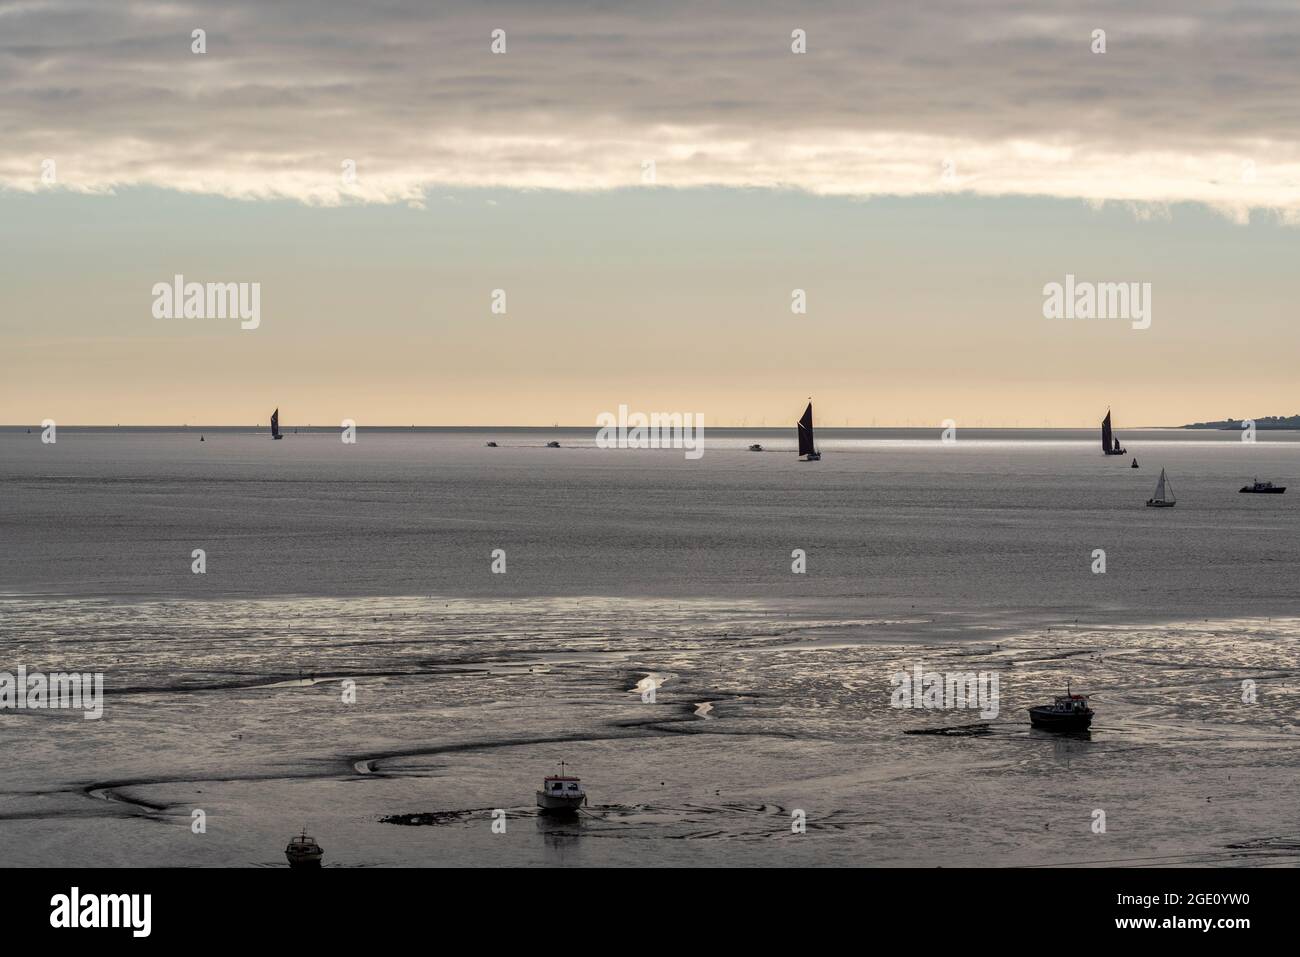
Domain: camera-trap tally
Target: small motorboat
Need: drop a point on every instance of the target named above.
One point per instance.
(1264, 488)
(552, 445)
(492, 445)
(1069, 712)
(1164, 497)
(756, 447)
(303, 851)
(561, 793)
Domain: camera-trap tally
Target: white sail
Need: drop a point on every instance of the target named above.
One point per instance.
(1160, 487)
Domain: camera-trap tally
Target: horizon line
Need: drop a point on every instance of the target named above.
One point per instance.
(540, 428)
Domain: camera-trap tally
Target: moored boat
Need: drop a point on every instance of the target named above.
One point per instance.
(1069, 712)
(561, 793)
(303, 851)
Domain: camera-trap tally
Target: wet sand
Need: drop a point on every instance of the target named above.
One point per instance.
(235, 708)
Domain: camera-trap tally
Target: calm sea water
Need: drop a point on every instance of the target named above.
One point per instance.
(371, 564)
(995, 524)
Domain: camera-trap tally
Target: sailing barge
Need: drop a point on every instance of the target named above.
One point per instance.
(1110, 443)
(807, 447)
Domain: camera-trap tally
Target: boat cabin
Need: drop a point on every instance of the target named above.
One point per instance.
(1071, 703)
(560, 785)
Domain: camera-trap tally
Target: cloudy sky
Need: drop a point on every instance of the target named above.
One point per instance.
(648, 183)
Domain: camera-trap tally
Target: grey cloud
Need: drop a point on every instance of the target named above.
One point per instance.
(588, 89)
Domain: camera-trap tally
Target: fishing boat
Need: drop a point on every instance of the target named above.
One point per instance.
(303, 851)
(275, 425)
(552, 445)
(1069, 712)
(561, 793)
(1109, 443)
(756, 447)
(1164, 497)
(807, 447)
(1264, 488)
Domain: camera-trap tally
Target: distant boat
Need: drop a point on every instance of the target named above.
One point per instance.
(1264, 488)
(552, 445)
(303, 851)
(492, 445)
(1069, 712)
(200, 438)
(561, 794)
(807, 447)
(1109, 444)
(1164, 497)
(275, 425)
(1133, 464)
(756, 447)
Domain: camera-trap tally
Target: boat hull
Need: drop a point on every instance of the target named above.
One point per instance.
(559, 804)
(812, 457)
(1046, 719)
(1152, 503)
(299, 859)
(1264, 491)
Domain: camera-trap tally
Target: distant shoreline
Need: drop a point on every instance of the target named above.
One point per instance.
(1269, 423)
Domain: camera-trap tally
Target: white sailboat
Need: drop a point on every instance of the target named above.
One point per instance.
(1164, 497)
